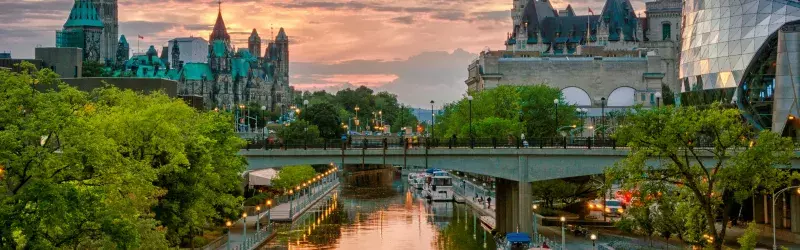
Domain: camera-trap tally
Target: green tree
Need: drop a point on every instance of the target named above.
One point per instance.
(749, 238)
(538, 110)
(742, 162)
(299, 130)
(293, 176)
(65, 183)
(324, 116)
(92, 68)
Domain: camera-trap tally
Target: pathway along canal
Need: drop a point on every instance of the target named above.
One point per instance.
(376, 209)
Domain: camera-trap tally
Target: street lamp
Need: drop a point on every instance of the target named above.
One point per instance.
(594, 238)
(658, 99)
(258, 219)
(535, 226)
(269, 218)
(774, 194)
(555, 102)
(244, 229)
(305, 103)
(432, 121)
(469, 99)
(563, 236)
(603, 114)
(228, 224)
(356, 108)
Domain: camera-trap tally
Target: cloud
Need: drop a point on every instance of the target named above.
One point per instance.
(403, 19)
(417, 80)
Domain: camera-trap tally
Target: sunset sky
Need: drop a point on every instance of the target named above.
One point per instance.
(417, 49)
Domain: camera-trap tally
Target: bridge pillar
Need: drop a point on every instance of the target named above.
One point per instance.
(513, 210)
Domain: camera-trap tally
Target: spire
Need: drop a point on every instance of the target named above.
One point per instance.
(220, 32)
(282, 36)
(83, 13)
(122, 40)
(254, 36)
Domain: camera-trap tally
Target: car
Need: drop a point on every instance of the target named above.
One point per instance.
(595, 205)
(613, 208)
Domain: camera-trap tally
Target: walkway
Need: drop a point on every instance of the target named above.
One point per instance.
(247, 234)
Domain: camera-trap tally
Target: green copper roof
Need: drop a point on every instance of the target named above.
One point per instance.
(83, 14)
(196, 71)
(122, 40)
(240, 67)
(218, 48)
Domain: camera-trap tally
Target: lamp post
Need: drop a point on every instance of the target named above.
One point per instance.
(244, 229)
(432, 121)
(228, 224)
(535, 226)
(263, 109)
(291, 201)
(258, 219)
(774, 194)
(469, 99)
(563, 236)
(603, 114)
(269, 218)
(658, 99)
(555, 102)
(594, 238)
(357, 108)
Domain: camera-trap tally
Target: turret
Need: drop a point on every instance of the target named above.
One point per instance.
(176, 55)
(254, 44)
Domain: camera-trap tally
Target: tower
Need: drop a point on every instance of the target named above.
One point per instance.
(123, 51)
(282, 47)
(107, 11)
(254, 44)
(176, 55)
(219, 45)
(83, 29)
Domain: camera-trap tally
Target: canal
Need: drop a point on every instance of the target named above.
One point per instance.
(376, 209)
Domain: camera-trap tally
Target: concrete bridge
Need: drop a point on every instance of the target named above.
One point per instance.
(514, 167)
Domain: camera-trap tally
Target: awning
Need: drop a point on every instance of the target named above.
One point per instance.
(262, 177)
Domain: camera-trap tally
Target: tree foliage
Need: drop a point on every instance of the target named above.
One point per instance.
(299, 130)
(324, 116)
(667, 164)
(292, 176)
(110, 168)
(92, 68)
(507, 111)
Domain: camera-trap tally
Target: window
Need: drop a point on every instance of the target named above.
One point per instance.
(643, 97)
(666, 31)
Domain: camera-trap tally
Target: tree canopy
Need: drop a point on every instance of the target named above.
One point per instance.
(324, 116)
(384, 105)
(507, 111)
(681, 182)
(292, 176)
(110, 168)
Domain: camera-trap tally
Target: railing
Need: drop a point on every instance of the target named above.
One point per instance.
(409, 143)
(321, 190)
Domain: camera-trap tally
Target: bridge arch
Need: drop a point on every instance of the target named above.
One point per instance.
(622, 97)
(577, 96)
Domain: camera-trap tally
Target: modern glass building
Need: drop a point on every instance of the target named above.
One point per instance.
(743, 52)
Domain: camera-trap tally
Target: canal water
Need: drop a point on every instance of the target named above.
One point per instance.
(376, 209)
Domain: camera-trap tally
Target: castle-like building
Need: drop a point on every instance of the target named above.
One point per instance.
(230, 77)
(93, 26)
(612, 58)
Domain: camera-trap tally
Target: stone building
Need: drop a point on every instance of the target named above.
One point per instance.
(227, 78)
(107, 12)
(192, 49)
(597, 60)
(83, 29)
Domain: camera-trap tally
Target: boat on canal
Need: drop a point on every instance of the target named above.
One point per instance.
(438, 186)
(515, 241)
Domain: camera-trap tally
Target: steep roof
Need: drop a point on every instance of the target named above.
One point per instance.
(83, 14)
(123, 41)
(219, 48)
(197, 71)
(569, 10)
(535, 11)
(570, 29)
(619, 16)
(282, 35)
(254, 36)
(219, 32)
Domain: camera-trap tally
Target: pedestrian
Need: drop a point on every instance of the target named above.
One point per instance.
(544, 245)
(524, 142)
(453, 141)
(489, 202)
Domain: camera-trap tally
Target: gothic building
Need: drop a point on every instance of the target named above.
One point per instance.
(92, 26)
(83, 29)
(229, 78)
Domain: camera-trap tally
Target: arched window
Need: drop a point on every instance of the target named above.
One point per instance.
(666, 31)
(622, 97)
(576, 96)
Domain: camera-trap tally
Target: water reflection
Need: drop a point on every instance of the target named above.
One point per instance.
(377, 210)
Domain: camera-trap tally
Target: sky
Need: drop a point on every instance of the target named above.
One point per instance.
(416, 49)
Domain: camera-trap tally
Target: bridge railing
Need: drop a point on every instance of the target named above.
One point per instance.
(435, 143)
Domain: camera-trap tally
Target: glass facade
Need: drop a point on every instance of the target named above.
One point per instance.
(732, 45)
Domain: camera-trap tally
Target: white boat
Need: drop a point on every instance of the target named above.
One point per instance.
(416, 180)
(438, 187)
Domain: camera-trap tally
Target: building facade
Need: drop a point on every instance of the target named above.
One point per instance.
(83, 29)
(606, 59)
(745, 53)
(226, 78)
(192, 49)
(107, 12)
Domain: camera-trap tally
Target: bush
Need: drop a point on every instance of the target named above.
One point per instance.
(258, 199)
(749, 238)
